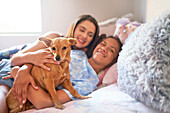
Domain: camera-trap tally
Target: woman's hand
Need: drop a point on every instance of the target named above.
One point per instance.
(13, 73)
(41, 57)
(22, 80)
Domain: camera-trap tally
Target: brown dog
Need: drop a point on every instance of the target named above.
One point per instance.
(48, 80)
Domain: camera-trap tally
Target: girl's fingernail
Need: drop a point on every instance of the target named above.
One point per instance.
(23, 101)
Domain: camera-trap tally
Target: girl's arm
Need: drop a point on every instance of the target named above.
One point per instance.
(41, 99)
(20, 85)
(28, 55)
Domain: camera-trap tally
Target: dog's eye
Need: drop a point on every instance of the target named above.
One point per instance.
(64, 48)
(53, 48)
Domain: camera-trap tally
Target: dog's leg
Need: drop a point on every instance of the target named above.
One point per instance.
(68, 85)
(12, 103)
(50, 86)
(16, 110)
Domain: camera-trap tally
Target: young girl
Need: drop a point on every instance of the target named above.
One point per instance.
(85, 30)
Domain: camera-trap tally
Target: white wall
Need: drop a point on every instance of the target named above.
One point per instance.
(57, 15)
(155, 7)
(139, 10)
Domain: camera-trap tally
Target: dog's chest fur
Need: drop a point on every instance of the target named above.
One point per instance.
(58, 73)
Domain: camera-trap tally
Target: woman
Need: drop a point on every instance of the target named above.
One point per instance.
(85, 30)
(83, 72)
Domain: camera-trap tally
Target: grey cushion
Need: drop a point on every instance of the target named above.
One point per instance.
(144, 63)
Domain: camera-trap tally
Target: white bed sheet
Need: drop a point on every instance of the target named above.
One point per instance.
(104, 100)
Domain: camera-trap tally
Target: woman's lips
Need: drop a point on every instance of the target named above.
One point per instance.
(81, 41)
(100, 53)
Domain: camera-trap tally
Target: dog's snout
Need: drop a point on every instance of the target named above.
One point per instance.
(57, 58)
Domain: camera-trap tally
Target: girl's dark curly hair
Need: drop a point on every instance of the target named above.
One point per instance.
(101, 38)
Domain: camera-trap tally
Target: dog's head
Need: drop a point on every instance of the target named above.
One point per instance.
(60, 47)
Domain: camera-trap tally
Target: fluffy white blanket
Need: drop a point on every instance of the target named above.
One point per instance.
(144, 63)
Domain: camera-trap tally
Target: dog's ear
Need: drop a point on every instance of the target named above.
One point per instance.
(72, 41)
(46, 41)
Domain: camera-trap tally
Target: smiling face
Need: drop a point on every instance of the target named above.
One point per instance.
(106, 51)
(84, 33)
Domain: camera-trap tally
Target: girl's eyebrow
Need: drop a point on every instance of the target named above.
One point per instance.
(104, 41)
(83, 27)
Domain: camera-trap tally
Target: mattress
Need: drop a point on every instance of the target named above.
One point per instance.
(107, 99)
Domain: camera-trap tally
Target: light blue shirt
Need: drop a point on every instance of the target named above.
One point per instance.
(82, 75)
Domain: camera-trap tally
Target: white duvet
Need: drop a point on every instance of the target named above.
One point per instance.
(108, 99)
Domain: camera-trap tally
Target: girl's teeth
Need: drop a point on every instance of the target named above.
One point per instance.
(101, 54)
(81, 40)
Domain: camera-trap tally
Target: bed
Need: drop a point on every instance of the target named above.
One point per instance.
(143, 71)
(108, 99)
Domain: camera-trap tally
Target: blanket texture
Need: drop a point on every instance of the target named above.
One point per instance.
(144, 63)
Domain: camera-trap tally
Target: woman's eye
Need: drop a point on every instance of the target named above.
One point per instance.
(53, 48)
(82, 30)
(90, 35)
(112, 51)
(102, 44)
(64, 48)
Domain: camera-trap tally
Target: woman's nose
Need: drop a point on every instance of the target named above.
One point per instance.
(84, 35)
(103, 49)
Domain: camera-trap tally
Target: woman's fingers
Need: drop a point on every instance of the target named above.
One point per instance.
(45, 67)
(34, 85)
(7, 77)
(24, 96)
(19, 97)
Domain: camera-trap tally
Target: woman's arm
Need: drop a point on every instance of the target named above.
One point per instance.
(38, 58)
(20, 85)
(23, 56)
(41, 99)
(28, 55)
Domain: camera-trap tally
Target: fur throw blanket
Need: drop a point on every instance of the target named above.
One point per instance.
(144, 63)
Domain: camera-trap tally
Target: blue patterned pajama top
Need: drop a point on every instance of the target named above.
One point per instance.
(82, 75)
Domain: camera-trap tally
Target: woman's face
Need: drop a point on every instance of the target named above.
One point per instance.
(106, 51)
(84, 33)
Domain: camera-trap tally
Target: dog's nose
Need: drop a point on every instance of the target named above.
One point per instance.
(57, 58)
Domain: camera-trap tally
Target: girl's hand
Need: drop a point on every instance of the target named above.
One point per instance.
(22, 80)
(41, 57)
(13, 73)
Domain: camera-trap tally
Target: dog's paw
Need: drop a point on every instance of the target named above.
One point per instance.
(59, 106)
(84, 97)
